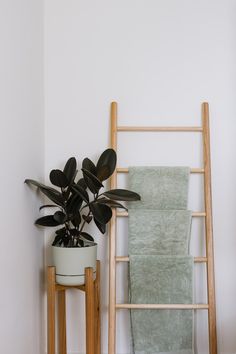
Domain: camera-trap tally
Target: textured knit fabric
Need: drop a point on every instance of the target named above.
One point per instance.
(160, 232)
(163, 280)
(160, 271)
(160, 188)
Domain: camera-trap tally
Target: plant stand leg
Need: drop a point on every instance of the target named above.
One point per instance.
(89, 296)
(62, 321)
(97, 310)
(51, 294)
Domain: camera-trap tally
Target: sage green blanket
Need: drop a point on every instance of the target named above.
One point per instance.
(160, 232)
(164, 280)
(161, 271)
(160, 188)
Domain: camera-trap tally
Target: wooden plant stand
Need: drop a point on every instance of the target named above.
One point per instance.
(92, 309)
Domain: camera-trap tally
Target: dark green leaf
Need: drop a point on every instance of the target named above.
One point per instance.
(73, 204)
(48, 206)
(87, 218)
(58, 240)
(61, 237)
(66, 241)
(111, 203)
(54, 195)
(74, 232)
(81, 183)
(51, 193)
(87, 236)
(102, 213)
(81, 192)
(47, 221)
(66, 193)
(122, 194)
(76, 220)
(58, 178)
(101, 227)
(60, 217)
(70, 169)
(61, 231)
(88, 165)
(80, 242)
(106, 164)
(37, 184)
(92, 182)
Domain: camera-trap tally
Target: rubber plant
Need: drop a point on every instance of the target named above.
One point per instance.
(78, 202)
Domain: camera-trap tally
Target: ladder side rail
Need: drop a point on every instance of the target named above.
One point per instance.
(209, 230)
(112, 245)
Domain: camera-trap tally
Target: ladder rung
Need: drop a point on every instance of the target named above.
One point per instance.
(126, 259)
(192, 170)
(64, 287)
(158, 129)
(164, 306)
(194, 214)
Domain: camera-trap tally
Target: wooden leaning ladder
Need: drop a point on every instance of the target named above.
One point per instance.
(207, 214)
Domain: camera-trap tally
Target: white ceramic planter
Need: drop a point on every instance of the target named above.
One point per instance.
(71, 262)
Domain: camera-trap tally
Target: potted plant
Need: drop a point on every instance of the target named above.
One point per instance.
(76, 203)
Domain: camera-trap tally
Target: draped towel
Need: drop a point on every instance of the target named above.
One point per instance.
(160, 270)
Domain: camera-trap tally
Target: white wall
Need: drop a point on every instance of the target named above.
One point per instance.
(159, 59)
(22, 156)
